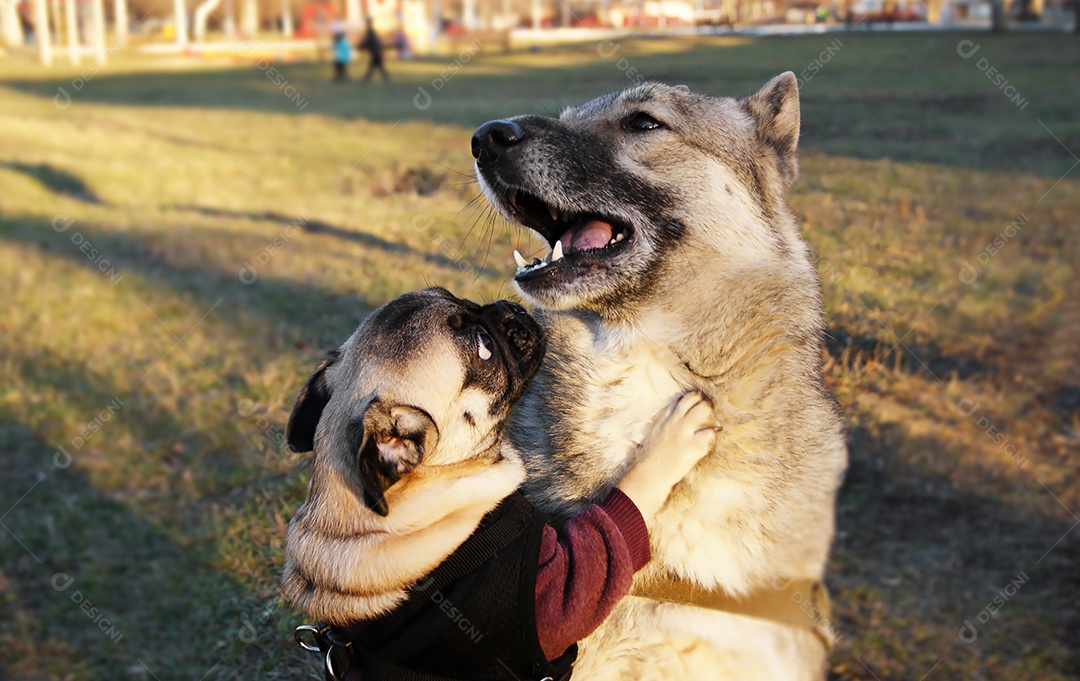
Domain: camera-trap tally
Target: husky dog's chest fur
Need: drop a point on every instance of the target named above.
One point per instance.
(608, 386)
(632, 384)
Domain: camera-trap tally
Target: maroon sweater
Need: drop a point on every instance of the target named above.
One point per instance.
(585, 572)
(582, 573)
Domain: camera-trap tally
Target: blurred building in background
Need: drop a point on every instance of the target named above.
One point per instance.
(80, 28)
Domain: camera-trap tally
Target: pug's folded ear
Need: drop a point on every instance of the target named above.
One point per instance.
(300, 431)
(393, 439)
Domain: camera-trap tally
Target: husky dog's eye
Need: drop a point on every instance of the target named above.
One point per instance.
(483, 346)
(643, 121)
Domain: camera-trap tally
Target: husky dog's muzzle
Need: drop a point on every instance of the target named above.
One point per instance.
(565, 183)
(578, 237)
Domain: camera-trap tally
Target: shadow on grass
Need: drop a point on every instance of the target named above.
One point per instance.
(59, 181)
(925, 545)
(320, 227)
(146, 598)
(94, 591)
(861, 353)
(165, 605)
(301, 312)
(926, 360)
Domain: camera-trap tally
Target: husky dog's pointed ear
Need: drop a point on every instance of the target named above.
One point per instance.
(393, 439)
(300, 431)
(775, 109)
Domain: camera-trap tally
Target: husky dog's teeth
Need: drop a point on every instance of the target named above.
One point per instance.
(556, 253)
(565, 217)
(511, 196)
(620, 236)
(553, 212)
(520, 260)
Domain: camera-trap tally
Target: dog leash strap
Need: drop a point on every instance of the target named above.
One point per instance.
(331, 644)
(796, 603)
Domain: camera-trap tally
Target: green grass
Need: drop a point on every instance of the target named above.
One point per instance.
(171, 514)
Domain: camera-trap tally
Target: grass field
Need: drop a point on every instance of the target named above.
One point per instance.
(178, 247)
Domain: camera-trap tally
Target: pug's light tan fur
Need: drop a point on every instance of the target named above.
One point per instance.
(345, 561)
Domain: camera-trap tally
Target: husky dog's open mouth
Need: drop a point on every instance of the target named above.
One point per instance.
(577, 239)
(601, 228)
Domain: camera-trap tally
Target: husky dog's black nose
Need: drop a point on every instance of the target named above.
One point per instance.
(493, 138)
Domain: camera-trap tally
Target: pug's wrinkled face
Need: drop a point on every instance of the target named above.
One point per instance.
(427, 379)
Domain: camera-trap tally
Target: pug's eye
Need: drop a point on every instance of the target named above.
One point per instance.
(642, 121)
(484, 346)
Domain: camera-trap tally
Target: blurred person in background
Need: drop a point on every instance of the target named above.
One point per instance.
(342, 51)
(26, 22)
(371, 43)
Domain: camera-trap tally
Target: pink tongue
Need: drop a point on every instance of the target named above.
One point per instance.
(593, 234)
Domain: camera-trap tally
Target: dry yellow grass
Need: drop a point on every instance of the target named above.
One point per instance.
(244, 236)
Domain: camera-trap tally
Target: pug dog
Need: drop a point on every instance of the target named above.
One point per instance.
(413, 513)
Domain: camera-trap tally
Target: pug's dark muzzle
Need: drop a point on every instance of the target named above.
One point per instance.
(521, 338)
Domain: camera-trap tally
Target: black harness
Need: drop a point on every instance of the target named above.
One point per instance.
(472, 618)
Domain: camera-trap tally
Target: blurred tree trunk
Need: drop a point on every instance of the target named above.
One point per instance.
(120, 19)
(286, 18)
(41, 32)
(228, 23)
(71, 25)
(202, 15)
(353, 13)
(730, 11)
(9, 21)
(933, 11)
(97, 29)
(997, 16)
(249, 18)
(180, 18)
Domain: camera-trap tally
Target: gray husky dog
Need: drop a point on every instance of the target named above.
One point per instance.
(676, 265)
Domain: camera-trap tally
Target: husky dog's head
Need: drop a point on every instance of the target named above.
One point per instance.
(631, 188)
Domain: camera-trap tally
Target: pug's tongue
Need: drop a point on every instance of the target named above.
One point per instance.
(590, 234)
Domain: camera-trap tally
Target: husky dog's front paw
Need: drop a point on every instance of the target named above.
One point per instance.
(680, 436)
(687, 433)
